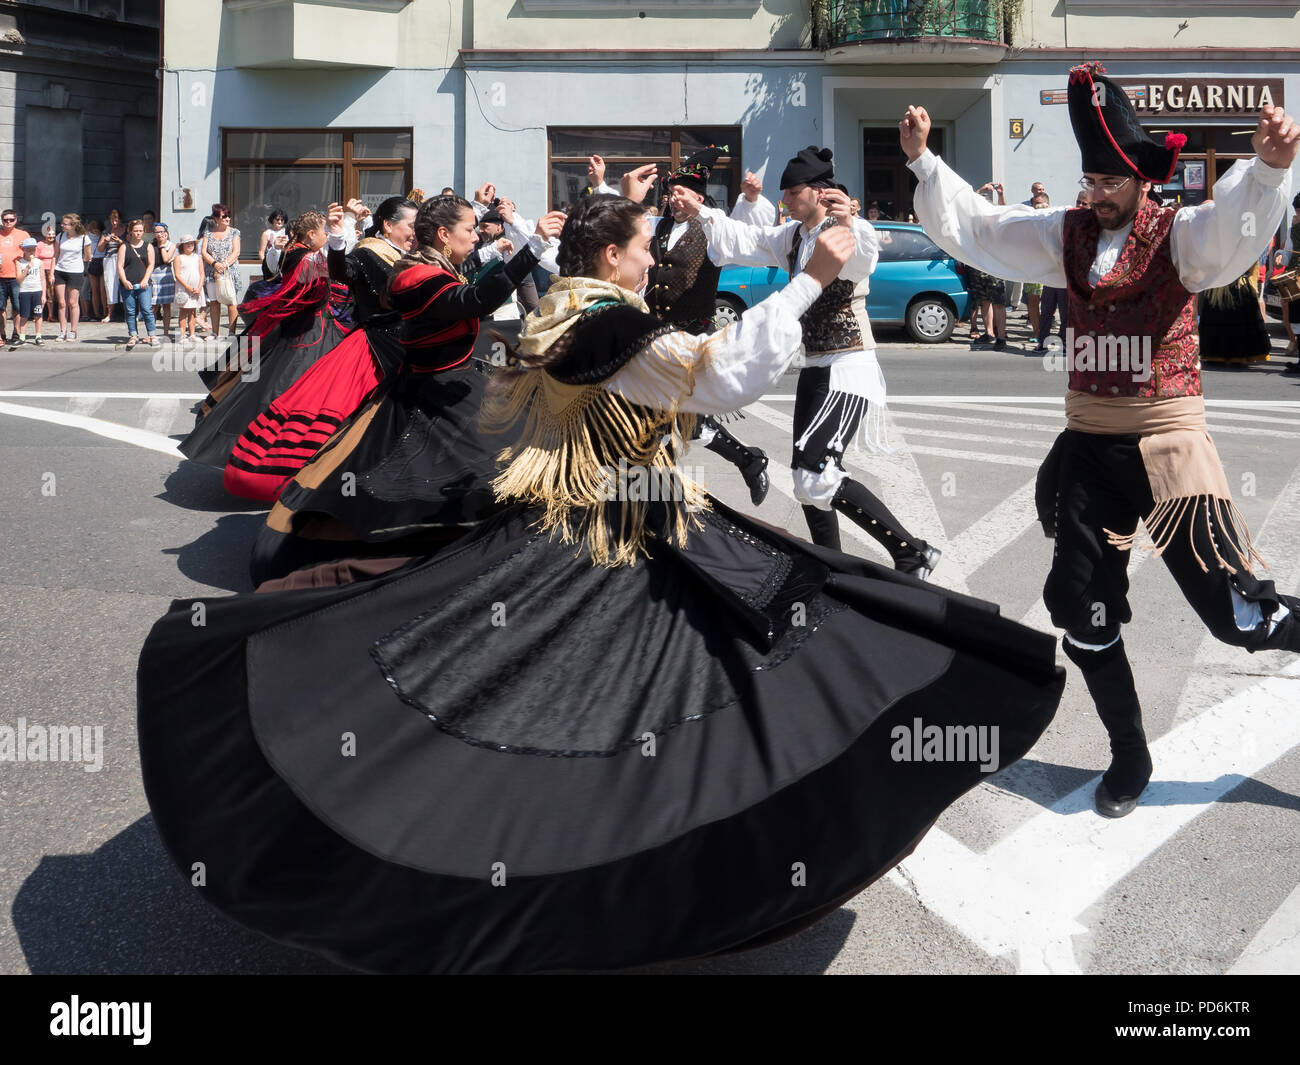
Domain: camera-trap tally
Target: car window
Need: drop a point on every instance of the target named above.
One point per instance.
(898, 244)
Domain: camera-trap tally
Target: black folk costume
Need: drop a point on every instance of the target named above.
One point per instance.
(694, 747)
(841, 388)
(284, 437)
(1230, 325)
(411, 469)
(292, 328)
(1136, 446)
(682, 289)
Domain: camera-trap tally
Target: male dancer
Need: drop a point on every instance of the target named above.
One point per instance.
(682, 287)
(841, 380)
(1135, 445)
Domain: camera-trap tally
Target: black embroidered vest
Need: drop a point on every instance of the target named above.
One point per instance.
(829, 325)
(683, 281)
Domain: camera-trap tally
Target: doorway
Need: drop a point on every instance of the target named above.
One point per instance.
(885, 177)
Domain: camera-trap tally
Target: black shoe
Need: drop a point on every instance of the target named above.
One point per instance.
(1293, 369)
(921, 563)
(1040, 349)
(1000, 344)
(1109, 805)
(755, 474)
(983, 342)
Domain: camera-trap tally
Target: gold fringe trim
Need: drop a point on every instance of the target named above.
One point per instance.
(1167, 515)
(571, 445)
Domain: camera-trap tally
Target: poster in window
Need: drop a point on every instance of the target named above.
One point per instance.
(1193, 175)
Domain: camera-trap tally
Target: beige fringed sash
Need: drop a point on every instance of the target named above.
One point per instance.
(1182, 466)
(578, 439)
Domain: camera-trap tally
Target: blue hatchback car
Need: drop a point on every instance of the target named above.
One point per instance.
(915, 284)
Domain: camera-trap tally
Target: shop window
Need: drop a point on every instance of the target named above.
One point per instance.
(626, 149)
(298, 170)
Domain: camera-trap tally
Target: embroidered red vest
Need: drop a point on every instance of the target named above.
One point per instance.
(1139, 303)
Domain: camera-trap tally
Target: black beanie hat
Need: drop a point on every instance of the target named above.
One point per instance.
(812, 166)
(1111, 139)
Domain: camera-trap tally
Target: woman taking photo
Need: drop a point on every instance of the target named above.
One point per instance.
(72, 251)
(602, 730)
(110, 244)
(220, 251)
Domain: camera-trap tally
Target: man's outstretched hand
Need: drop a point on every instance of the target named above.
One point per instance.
(913, 132)
(1276, 139)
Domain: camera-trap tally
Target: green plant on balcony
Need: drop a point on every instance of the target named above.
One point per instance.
(844, 21)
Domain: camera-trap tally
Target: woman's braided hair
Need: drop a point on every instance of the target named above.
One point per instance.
(307, 222)
(439, 211)
(594, 224)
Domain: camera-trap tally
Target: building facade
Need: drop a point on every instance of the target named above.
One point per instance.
(291, 103)
(78, 108)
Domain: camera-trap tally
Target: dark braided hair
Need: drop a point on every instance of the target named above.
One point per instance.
(592, 226)
(440, 211)
(305, 223)
(389, 211)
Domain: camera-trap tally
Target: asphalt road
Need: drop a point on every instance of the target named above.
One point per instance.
(104, 526)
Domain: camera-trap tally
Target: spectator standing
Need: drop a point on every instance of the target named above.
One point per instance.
(110, 244)
(11, 250)
(220, 250)
(31, 291)
(95, 271)
(274, 238)
(135, 266)
(1291, 308)
(187, 270)
(150, 220)
(1036, 190)
(45, 253)
(1034, 289)
(72, 251)
(164, 283)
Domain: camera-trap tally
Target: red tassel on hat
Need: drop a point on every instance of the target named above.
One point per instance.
(1175, 141)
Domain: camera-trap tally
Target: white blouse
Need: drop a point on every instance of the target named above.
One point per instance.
(1212, 244)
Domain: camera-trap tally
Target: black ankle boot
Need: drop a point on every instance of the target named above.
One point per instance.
(1110, 683)
(823, 527)
(859, 505)
(751, 461)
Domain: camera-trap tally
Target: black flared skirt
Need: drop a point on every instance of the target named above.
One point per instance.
(288, 351)
(412, 463)
(505, 759)
(1233, 329)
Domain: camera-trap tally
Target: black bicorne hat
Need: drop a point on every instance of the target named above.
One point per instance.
(812, 166)
(1111, 139)
(694, 172)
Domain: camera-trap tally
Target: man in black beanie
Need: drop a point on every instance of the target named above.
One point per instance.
(840, 383)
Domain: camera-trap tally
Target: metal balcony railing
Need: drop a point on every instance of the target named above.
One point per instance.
(855, 21)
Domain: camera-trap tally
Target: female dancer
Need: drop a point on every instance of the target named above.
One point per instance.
(293, 327)
(410, 470)
(282, 439)
(661, 731)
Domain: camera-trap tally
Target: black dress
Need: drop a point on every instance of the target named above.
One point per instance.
(504, 758)
(1231, 327)
(411, 469)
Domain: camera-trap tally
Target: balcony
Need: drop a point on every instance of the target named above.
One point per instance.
(914, 31)
(291, 34)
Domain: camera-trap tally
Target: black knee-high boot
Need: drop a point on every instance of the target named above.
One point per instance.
(823, 527)
(1110, 683)
(751, 461)
(910, 555)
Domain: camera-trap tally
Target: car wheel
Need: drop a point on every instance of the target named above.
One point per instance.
(726, 311)
(931, 320)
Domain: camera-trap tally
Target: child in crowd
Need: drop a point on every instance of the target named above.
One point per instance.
(31, 293)
(187, 268)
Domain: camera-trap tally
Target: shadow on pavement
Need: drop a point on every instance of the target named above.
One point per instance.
(196, 487)
(219, 558)
(125, 908)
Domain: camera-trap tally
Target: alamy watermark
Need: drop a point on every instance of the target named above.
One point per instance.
(234, 353)
(919, 742)
(53, 743)
(649, 484)
(1100, 354)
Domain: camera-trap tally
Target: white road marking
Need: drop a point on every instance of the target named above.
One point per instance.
(1001, 526)
(111, 430)
(978, 456)
(1276, 947)
(85, 405)
(158, 413)
(1027, 892)
(22, 394)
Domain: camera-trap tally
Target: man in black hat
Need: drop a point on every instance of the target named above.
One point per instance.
(840, 383)
(682, 285)
(1135, 446)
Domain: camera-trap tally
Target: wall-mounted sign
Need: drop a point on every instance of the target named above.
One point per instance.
(1218, 97)
(1053, 96)
(1193, 175)
(1017, 129)
(182, 199)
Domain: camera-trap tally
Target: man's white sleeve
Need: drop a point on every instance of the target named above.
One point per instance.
(762, 212)
(1018, 243)
(740, 244)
